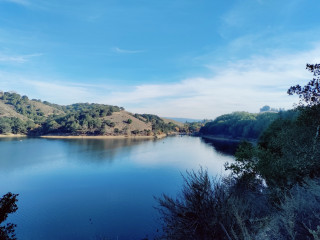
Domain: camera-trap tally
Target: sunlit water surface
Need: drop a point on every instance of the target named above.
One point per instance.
(98, 189)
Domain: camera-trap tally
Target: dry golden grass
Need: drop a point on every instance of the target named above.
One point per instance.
(9, 111)
(120, 120)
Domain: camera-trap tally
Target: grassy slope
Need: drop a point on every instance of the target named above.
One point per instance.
(7, 110)
(118, 118)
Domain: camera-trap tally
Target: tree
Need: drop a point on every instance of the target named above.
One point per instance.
(52, 126)
(8, 204)
(310, 93)
(5, 127)
(265, 108)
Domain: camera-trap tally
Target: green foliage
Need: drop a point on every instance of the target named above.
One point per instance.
(309, 94)
(158, 125)
(8, 204)
(135, 131)
(14, 125)
(75, 119)
(246, 161)
(23, 106)
(193, 127)
(213, 209)
(241, 125)
(287, 152)
(81, 118)
(93, 109)
(298, 214)
(109, 123)
(265, 108)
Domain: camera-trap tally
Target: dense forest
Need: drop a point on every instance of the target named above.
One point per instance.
(244, 125)
(273, 190)
(20, 115)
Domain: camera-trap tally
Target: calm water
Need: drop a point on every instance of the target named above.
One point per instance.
(89, 189)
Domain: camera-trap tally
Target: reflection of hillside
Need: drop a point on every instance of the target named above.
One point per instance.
(101, 150)
(19, 153)
(223, 146)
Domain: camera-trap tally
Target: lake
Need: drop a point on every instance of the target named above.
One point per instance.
(98, 189)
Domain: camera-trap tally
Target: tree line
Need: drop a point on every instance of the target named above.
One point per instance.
(244, 125)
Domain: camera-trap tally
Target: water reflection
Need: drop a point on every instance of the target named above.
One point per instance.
(20, 153)
(222, 146)
(12, 139)
(99, 150)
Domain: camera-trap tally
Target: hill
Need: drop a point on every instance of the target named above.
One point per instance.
(20, 115)
(243, 125)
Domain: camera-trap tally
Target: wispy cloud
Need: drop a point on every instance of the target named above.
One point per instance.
(50, 89)
(17, 58)
(120, 50)
(243, 85)
(20, 2)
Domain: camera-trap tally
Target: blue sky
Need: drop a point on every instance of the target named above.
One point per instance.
(174, 58)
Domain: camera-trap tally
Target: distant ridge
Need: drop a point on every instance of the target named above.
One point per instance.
(184, 120)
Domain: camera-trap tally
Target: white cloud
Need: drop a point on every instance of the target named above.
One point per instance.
(120, 50)
(20, 2)
(17, 58)
(52, 90)
(241, 85)
(244, 85)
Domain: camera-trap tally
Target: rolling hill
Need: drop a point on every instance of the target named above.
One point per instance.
(20, 115)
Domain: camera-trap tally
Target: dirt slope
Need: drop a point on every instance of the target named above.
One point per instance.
(7, 110)
(120, 120)
(46, 109)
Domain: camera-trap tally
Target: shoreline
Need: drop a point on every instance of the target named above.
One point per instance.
(12, 135)
(103, 137)
(84, 137)
(221, 138)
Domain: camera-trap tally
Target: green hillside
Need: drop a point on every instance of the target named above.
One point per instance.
(20, 115)
(243, 125)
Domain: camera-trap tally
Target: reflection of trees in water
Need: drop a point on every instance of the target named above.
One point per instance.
(28, 152)
(10, 139)
(102, 150)
(7, 205)
(223, 146)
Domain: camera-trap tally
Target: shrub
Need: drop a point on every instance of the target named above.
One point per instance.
(299, 214)
(213, 209)
(8, 205)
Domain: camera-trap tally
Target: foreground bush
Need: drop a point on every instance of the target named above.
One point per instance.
(213, 209)
(298, 216)
(7, 205)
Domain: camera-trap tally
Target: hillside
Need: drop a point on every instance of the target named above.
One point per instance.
(243, 125)
(168, 120)
(20, 115)
(9, 111)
